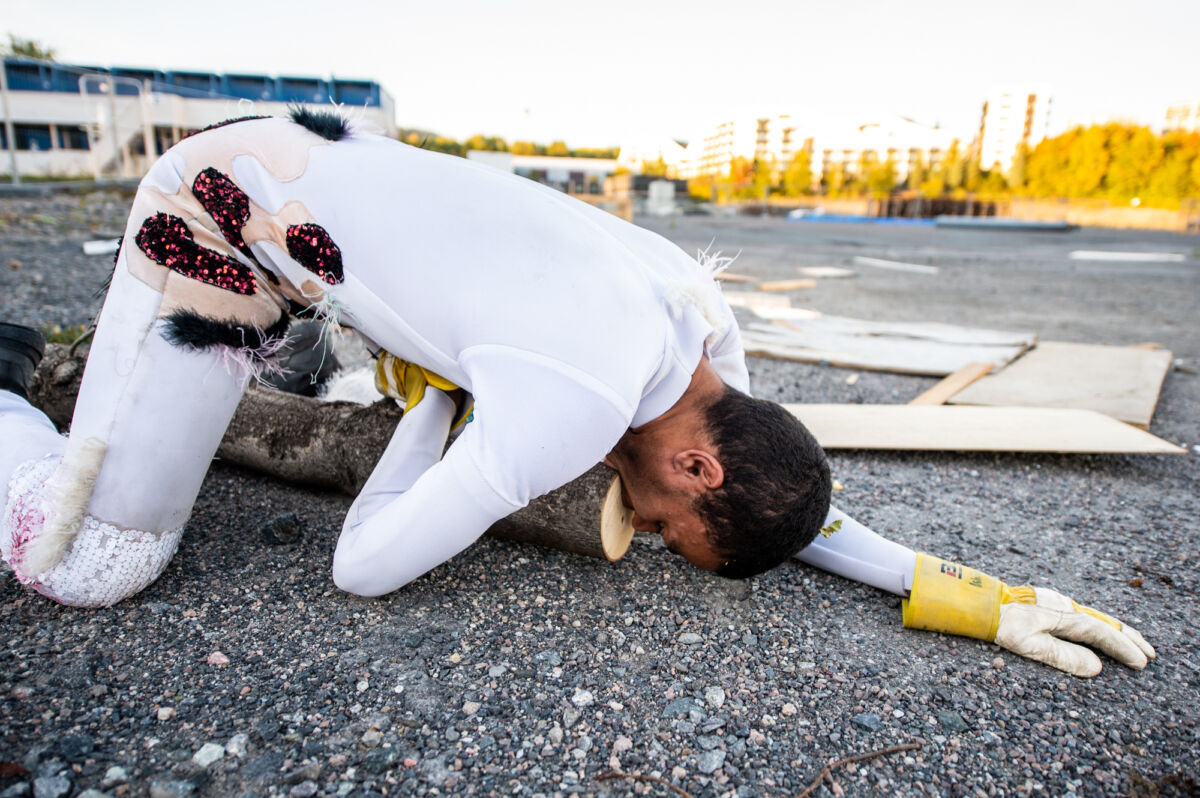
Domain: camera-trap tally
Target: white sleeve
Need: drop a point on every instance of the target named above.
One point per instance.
(533, 431)
(855, 552)
(727, 357)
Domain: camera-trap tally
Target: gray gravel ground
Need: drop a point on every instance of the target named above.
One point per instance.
(520, 671)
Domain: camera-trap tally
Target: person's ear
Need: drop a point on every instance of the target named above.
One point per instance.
(699, 468)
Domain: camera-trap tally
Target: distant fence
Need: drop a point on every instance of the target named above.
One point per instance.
(1084, 212)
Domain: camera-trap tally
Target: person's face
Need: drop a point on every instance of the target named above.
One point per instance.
(669, 512)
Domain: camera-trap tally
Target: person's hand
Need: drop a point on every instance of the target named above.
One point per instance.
(407, 382)
(1037, 623)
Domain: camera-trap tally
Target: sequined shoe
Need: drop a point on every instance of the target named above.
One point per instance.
(21, 349)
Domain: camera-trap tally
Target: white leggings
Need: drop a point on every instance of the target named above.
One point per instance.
(106, 506)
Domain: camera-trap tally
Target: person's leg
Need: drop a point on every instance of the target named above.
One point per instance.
(100, 521)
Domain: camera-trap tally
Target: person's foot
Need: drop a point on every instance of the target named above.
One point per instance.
(21, 349)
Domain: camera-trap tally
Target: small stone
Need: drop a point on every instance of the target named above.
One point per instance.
(281, 530)
(171, 789)
(379, 760)
(305, 789)
(471, 707)
(208, 753)
(867, 720)
(621, 745)
(218, 659)
(496, 671)
(710, 761)
(555, 735)
(680, 706)
(998, 663)
(570, 717)
(75, 746)
(678, 773)
(166, 713)
(310, 772)
(548, 657)
(714, 697)
(92, 794)
(690, 639)
(338, 761)
(372, 738)
(989, 738)
(583, 698)
(98, 690)
(788, 710)
(113, 776)
(51, 786)
(952, 721)
(237, 746)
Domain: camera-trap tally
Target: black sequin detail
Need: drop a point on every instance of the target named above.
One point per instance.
(192, 331)
(216, 125)
(167, 241)
(326, 124)
(227, 204)
(311, 247)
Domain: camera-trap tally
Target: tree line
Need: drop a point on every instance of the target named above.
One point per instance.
(1117, 162)
(432, 141)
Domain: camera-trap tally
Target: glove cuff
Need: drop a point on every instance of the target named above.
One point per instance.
(954, 599)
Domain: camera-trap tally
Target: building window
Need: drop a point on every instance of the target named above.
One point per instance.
(25, 77)
(32, 137)
(300, 90)
(72, 138)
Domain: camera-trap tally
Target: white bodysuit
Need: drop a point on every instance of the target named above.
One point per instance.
(567, 325)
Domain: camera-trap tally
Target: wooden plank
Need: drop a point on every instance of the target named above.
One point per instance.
(733, 277)
(917, 348)
(975, 429)
(896, 266)
(1119, 381)
(1128, 257)
(830, 272)
(938, 394)
(787, 285)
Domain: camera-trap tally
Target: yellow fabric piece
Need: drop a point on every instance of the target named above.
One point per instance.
(407, 382)
(1108, 619)
(952, 598)
(1021, 594)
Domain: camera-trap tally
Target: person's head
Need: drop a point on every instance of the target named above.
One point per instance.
(737, 487)
(775, 493)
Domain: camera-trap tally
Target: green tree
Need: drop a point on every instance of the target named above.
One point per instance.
(524, 148)
(975, 177)
(954, 167)
(1134, 155)
(881, 177)
(29, 48)
(558, 149)
(916, 173)
(798, 176)
(656, 168)
(1016, 172)
(833, 179)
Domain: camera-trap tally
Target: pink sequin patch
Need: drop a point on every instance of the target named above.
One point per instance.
(226, 203)
(313, 249)
(167, 241)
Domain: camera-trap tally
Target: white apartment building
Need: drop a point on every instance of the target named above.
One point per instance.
(1012, 115)
(1182, 118)
(70, 120)
(830, 145)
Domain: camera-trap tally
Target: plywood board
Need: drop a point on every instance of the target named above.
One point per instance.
(732, 277)
(1119, 381)
(906, 348)
(895, 265)
(948, 386)
(1128, 257)
(831, 272)
(975, 429)
(799, 284)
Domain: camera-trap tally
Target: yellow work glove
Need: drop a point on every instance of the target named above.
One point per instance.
(406, 382)
(1034, 622)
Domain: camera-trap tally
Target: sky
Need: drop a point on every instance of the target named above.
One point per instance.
(638, 71)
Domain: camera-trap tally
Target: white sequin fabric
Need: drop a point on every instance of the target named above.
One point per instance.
(105, 563)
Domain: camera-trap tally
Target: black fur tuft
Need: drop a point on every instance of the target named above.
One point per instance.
(193, 331)
(223, 123)
(102, 291)
(326, 124)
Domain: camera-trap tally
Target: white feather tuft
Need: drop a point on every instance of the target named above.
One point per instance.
(69, 492)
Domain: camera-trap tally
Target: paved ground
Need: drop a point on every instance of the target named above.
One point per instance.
(514, 670)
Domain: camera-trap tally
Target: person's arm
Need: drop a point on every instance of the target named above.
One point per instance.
(536, 430)
(947, 597)
(727, 356)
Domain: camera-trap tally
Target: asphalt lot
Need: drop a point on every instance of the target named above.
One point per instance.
(520, 671)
